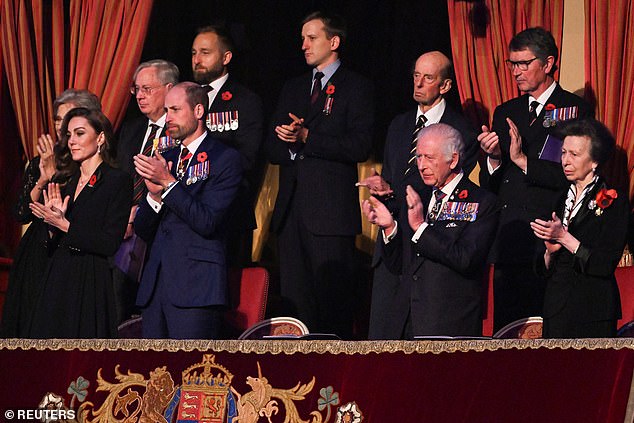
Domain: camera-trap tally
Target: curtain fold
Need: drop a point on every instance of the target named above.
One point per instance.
(49, 46)
(480, 34)
(609, 71)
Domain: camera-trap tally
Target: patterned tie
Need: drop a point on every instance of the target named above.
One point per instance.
(422, 120)
(316, 87)
(435, 211)
(139, 186)
(183, 160)
(532, 112)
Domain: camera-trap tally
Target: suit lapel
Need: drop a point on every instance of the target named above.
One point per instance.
(315, 110)
(585, 211)
(220, 105)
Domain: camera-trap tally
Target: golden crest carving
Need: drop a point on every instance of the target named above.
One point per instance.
(205, 396)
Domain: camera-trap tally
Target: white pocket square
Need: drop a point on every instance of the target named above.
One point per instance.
(451, 225)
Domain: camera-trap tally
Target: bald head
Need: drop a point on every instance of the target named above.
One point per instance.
(432, 79)
(186, 105)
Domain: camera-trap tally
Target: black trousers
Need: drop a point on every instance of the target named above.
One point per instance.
(317, 277)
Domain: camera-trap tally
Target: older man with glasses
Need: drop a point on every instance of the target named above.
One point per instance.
(526, 174)
(150, 83)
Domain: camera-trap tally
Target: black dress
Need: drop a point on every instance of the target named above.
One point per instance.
(29, 262)
(77, 299)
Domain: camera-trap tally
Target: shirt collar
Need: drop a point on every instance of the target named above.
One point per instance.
(160, 122)
(543, 98)
(434, 114)
(451, 186)
(328, 72)
(216, 85)
(193, 146)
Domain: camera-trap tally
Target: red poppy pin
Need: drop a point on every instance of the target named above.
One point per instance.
(550, 106)
(226, 96)
(603, 200)
(463, 194)
(330, 89)
(201, 157)
(92, 181)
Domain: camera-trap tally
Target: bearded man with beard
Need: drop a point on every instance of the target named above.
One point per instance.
(236, 118)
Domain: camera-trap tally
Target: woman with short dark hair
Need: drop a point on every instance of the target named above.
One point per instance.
(584, 239)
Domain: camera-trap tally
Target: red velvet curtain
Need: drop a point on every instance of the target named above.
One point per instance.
(480, 34)
(106, 41)
(102, 49)
(609, 70)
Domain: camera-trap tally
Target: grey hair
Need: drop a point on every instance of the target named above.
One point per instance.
(452, 140)
(78, 98)
(167, 72)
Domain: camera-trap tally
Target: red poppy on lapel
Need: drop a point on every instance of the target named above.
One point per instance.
(201, 157)
(605, 197)
(463, 194)
(92, 181)
(550, 106)
(226, 96)
(330, 89)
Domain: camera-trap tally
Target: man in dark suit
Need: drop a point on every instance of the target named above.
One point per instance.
(323, 128)
(236, 118)
(183, 288)
(151, 81)
(526, 180)
(432, 80)
(452, 234)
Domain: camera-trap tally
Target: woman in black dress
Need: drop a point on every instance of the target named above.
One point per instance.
(30, 259)
(584, 239)
(86, 220)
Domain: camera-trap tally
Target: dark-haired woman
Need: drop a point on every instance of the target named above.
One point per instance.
(584, 239)
(86, 219)
(30, 259)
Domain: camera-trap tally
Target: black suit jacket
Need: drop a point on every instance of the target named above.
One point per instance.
(585, 282)
(397, 153)
(525, 197)
(247, 138)
(442, 283)
(324, 172)
(130, 141)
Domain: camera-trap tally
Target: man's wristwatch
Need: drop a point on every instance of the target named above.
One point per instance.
(170, 185)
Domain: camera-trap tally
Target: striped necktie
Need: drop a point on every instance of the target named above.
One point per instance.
(139, 186)
(420, 123)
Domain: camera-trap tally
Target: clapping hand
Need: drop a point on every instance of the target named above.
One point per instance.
(378, 214)
(293, 132)
(53, 210)
(376, 184)
(46, 150)
(515, 150)
(415, 214)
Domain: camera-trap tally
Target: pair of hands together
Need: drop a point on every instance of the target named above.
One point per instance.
(490, 143)
(155, 171)
(377, 214)
(53, 211)
(294, 132)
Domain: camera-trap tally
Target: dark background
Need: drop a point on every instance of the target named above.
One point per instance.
(384, 40)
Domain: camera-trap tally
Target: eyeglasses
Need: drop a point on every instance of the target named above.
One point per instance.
(521, 64)
(146, 89)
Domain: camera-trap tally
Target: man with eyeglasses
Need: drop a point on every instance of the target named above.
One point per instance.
(525, 175)
(151, 81)
(236, 118)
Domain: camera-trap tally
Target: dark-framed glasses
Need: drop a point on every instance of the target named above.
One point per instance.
(520, 64)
